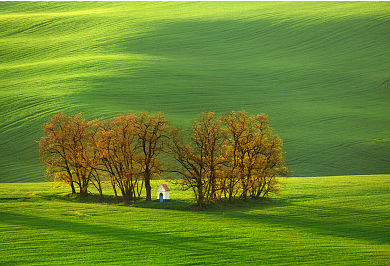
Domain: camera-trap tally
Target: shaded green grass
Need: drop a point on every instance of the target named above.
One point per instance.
(328, 220)
(317, 69)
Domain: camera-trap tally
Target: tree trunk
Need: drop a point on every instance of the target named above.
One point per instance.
(126, 199)
(99, 188)
(148, 188)
(84, 190)
(200, 196)
(73, 188)
(101, 193)
(114, 188)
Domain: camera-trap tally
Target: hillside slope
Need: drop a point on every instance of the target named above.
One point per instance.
(320, 70)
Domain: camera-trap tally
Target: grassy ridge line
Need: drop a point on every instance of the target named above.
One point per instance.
(312, 67)
(332, 220)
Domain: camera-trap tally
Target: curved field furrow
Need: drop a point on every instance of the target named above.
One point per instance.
(318, 69)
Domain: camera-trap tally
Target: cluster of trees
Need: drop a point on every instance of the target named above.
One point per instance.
(125, 151)
(232, 156)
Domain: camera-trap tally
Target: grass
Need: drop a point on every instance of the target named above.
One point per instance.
(318, 69)
(339, 220)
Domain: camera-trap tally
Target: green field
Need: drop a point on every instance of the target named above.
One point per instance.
(320, 70)
(317, 220)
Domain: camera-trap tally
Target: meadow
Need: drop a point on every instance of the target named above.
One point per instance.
(338, 220)
(320, 70)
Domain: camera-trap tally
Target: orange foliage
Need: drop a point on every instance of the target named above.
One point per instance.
(232, 156)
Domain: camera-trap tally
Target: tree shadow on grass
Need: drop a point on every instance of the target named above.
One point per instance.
(336, 222)
(134, 237)
(218, 206)
(343, 222)
(173, 204)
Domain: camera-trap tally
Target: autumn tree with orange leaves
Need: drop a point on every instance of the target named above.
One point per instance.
(152, 131)
(117, 145)
(66, 150)
(128, 149)
(201, 158)
(254, 156)
(235, 156)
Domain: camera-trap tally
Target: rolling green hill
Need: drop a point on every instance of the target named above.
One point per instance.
(320, 70)
(316, 221)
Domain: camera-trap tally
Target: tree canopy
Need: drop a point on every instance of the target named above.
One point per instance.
(231, 156)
